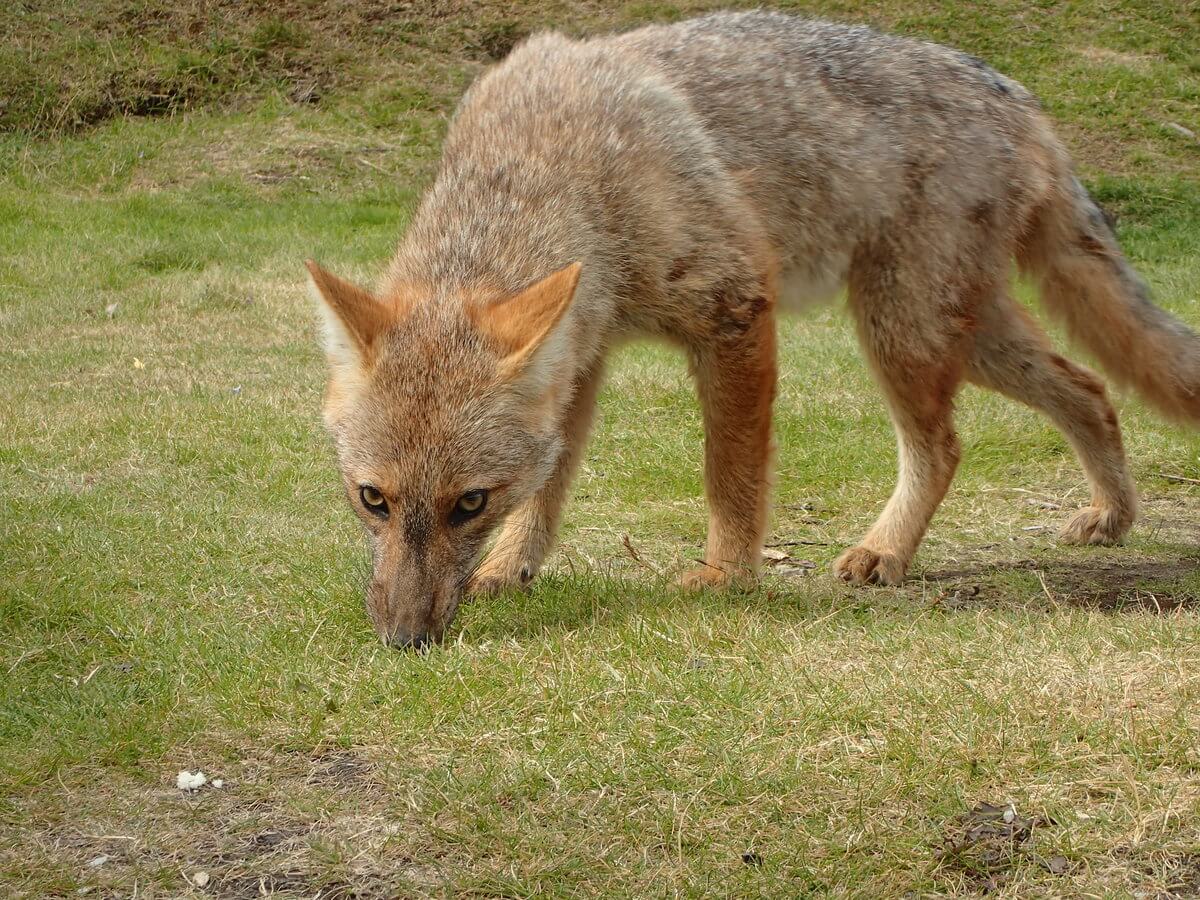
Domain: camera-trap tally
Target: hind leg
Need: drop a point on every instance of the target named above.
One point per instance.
(917, 348)
(1013, 356)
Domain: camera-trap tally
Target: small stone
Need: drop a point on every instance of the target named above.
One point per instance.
(200, 879)
(98, 861)
(218, 783)
(1057, 865)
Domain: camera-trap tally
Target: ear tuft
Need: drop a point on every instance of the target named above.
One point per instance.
(353, 318)
(521, 323)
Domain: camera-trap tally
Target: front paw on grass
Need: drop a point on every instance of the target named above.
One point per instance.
(487, 583)
(1095, 525)
(858, 565)
(710, 577)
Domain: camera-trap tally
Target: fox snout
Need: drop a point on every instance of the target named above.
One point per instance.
(411, 612)
(402, 614)
(396, 621)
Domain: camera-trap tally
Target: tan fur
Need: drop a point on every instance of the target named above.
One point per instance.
(362, 316)
(518, 324)
(685, 182)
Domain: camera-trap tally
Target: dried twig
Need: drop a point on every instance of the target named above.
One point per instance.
(1179, 479)
(637, 557)
(1045, 587)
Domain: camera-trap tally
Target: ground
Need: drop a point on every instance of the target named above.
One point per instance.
(180, 581)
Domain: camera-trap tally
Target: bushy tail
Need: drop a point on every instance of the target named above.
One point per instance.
(1088, 284)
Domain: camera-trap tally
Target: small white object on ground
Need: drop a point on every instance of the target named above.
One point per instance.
(1180, 130)
(1009, 815)
(200, 879)
(218, 783)
(98, 861)
(187, 781)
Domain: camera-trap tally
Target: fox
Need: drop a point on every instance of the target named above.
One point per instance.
(689, 183)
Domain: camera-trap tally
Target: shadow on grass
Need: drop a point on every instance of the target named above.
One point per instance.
(587, 600)
(578, 600)
(1160, 586)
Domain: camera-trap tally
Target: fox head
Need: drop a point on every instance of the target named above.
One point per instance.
(443, 411)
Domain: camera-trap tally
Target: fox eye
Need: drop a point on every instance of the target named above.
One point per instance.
(373, 500)
(469, 505)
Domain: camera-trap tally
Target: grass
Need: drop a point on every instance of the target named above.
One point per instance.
(180, 583)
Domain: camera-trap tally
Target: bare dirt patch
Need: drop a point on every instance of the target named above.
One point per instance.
(988, 841)
(1104, 585)
(1104, 56)
(343, 768)
(286, 824)
(302, 884)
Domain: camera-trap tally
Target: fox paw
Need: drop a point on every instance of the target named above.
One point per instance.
(1095, 525)
(705, 576)
(492, 580)
(858, 565)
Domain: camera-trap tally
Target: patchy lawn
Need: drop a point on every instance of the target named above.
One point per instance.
(180, 583)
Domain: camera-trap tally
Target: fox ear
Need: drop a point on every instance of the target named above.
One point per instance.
(353, 318)
(521, 323)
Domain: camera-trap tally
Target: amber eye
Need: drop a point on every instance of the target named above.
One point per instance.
(469, 505)
(373, 500)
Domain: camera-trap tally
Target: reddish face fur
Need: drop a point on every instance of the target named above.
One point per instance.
(428, 403)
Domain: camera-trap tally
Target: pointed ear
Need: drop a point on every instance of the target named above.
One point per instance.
(353, 318)
(520, 323)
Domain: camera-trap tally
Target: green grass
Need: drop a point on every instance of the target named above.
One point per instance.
(180, 583)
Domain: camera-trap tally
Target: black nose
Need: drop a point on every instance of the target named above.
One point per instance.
(415, 642)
